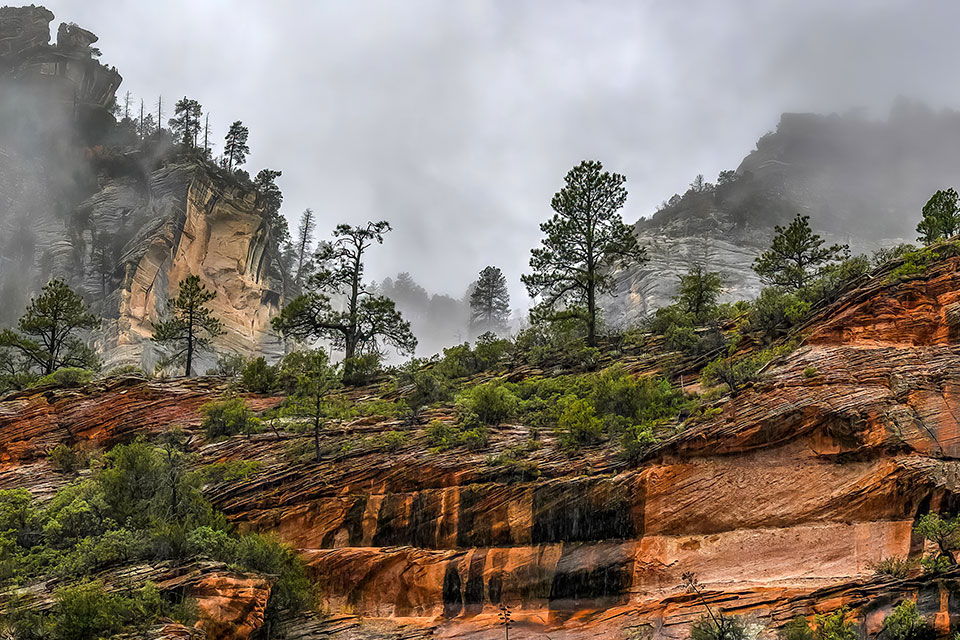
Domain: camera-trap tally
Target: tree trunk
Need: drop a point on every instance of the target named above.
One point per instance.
(189, 343)
(591, 313)
(316, 429)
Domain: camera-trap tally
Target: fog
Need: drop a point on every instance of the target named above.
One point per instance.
(456, 121)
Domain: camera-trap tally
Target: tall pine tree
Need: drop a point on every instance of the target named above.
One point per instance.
(185, 123)
(190, 325)
(303, 244)
(47, 336)
(584, 241)
(235, 147)
(489, 302)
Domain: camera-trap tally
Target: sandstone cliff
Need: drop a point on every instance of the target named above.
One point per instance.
(122, 220)
(781, 500)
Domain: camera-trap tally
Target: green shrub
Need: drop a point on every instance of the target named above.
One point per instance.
(143, 504)
(834, 279)
(125, 370)
(223, 418)
(66, 459)
(513, 462)
(886, 254)
(426, 387)
(893, 566)
(578, 423)
(774, 312)
(723, 628)
(492, 402)
(66, 377)
(914, 263)
(293, 589)
(637, 440)
(443, 436)
(810, 372)
(389, 441)
(559, 342)
(490, 351)
(362, 370)
(797, 629)
(229, 365)
(834, 626)
(87, 611)
(214, 543)
(615, 392)
(258, 376)
(475, 438)
(905, 623)
(738, 372)
(230, 471)
(681, 338)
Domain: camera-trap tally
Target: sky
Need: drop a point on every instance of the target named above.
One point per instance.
(457, 120)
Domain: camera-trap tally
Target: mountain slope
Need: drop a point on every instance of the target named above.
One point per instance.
(781, 499)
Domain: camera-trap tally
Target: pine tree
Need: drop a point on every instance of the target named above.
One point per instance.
(367, 318)
(489, 302)
(304, 242)
(235, 147)
(796, 256)
(315, 379)
(941, 217)
(585, 240)
(102, 260)
(185, 123)
(698, 291)
(206, 136)
(190, 325)
(47, 337)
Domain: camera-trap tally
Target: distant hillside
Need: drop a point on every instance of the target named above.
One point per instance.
(861, 181)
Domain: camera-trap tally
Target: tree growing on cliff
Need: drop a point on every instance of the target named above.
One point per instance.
(585, 239)
(48, 332)
(185, 123)
(304, 244)
(796, 256)
(235, 147)
(489, 302)
(941, 217)
(943, 532)
(367, 319)
(715, 625)
(190, 325)
(315, 379)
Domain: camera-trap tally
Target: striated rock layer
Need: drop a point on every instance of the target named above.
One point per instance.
(196, 224)
(781, 502)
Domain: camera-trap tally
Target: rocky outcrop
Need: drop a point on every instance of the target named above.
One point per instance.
(188, 222)
(122, 220)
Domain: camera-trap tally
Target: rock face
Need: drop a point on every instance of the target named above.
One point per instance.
(193, 224)
(781, 502)
(862, 182)
(122, 220)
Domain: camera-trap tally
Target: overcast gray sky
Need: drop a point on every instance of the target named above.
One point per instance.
(456, 120)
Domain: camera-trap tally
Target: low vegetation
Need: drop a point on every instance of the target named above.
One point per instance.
(142, 504)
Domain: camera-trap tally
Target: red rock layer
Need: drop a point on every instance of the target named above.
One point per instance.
(781, 502)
